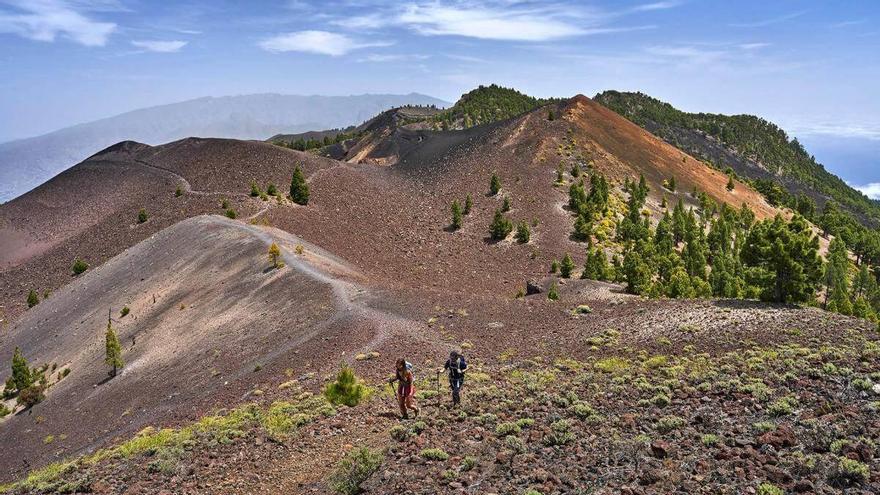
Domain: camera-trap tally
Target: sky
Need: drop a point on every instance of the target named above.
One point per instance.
(810, 66)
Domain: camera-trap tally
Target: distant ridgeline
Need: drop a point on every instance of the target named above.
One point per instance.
(760, 153)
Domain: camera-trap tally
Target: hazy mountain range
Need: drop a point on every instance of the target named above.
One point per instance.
(27, 163)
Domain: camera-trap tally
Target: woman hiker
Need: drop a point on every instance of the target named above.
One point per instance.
(406, 388)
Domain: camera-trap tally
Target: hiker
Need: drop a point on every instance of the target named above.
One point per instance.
(455, 367)
(406, 388)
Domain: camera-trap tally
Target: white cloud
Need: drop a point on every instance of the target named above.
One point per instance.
(753, 46)
(160, 46)
(686, 53)
(516, 24)
(769, 21)
(45, 20)
(320, 42)
(504, 20)
(381, 57)
(871, 190)
(646, 7)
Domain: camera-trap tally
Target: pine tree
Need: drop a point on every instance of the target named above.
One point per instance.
(33, 298)
(494, 184)
(271, 190)
(679, 285)
(782, 260)
(274, 255)
(299, 189)
(560, 174)
(113, 354)
(456, 215)
(553, 292)
(142, 216)
(837, 278)
(596, 266)
(468, 205)
(694, 253)
(730, 184)
(679, 222)
(575, 170)
(598, 197)
(554, 266)
(576, 196)
(566, 267)
(864, 284)
(583, 229)
(724, 279)
(500, 227)
(636, 272)
(523, 232)
(255, 191)
(505, 205)
(21, 373)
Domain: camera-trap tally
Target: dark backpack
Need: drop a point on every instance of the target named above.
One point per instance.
(457, 368)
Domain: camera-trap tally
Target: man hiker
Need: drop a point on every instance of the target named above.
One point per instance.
(406, 388)
(455, 367)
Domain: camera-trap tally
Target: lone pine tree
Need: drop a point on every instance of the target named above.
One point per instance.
(33, 298)
(299, 189)
(494, 184)
(113, 351)
(500, 227)
(274, 255)
(456, 215)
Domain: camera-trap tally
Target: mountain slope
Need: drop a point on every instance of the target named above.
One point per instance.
(26, 163)
(381, 271)
(751, 146)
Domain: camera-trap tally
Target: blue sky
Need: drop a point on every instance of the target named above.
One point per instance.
(810, 66)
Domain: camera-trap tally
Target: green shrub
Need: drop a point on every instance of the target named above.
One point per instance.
(500, 227)
(347, 389)
(456, 215)
(566, 267)
(525, 422)
(515, 444)
(667, 424)
(468, 463)
(178, 192)
(769, 489)
(553, 292)
(355, 468)
(505, 205)
(782, 407)
(230, 213)
(124, 312)
(142, 216)
(849, 472)
(468, 204)
(32, 299)
(434, 454)
(523, 233)
(709, 440)
(560, 433)
(255, 191)
(399, 433)
(79, 266)
(4, 411)
(554, 266)
(504, 429)
(271, 190)
(764, 426)
(494, 185)
(31, 395)
(583, 411)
